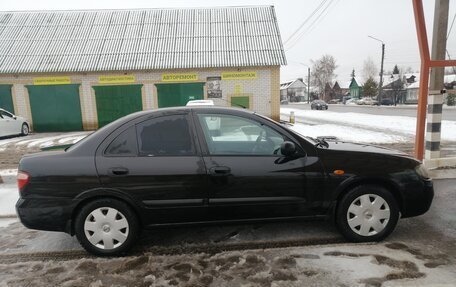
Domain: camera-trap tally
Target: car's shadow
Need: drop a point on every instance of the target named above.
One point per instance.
(256, 235)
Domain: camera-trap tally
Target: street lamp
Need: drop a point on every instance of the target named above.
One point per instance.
(380, 85)
(308, 82)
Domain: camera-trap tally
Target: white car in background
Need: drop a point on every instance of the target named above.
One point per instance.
(11, 125)
(200, 103)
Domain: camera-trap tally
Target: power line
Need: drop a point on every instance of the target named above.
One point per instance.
(306, 20)
(451, 27)
(299, 37)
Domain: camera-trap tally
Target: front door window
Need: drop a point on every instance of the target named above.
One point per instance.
(233, 135)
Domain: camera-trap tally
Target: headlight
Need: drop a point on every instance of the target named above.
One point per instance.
(422, 171)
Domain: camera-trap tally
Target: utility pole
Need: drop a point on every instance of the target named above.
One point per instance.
(308, 84)
(435, 99)
(380, 85)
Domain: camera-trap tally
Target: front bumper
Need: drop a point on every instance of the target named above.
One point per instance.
(418, 202)
(45, 214)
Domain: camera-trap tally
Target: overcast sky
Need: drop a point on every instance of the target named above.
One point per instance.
(340, 28)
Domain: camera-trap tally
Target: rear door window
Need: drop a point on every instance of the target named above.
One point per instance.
(124, 144)
(165, 136)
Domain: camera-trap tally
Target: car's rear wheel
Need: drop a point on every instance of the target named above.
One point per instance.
(25, 129)
(367, 213)
(106, 227)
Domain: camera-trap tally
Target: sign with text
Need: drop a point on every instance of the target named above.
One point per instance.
(120, 79)
(239, 76)
(51, 81)
(184, 77)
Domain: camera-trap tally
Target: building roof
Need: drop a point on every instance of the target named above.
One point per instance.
(118, 40)
(296, 83)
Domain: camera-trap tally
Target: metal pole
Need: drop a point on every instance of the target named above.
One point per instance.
(380, 85)
(308, 84)
(435, 100)
(420, 24)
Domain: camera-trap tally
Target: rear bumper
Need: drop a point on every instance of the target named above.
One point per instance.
(45, 214)
(419, 201)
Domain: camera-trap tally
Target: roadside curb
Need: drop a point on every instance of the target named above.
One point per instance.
(442, 173)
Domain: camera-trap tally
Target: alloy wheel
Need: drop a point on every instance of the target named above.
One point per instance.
(25, 130)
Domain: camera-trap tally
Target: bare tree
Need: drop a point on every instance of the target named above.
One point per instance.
(370, 70)
(323, 72)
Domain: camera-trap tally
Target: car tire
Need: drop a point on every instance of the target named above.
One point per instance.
(25, 129)
(102, 224)
(361, 218)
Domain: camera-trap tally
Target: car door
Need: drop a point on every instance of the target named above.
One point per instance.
(249, 178)
(9, 123)
(3, 127)
(157, 162)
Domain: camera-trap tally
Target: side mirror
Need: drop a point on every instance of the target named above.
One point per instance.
(287, 148)
(14, 117)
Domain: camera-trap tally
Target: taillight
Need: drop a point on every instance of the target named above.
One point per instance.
(22, 179)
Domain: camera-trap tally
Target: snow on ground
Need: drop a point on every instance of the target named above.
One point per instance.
(365, 127)
(336, 265)
(348, 133)
(8, 192)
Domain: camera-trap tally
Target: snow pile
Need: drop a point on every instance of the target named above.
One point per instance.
(8, 192)
(363, 127)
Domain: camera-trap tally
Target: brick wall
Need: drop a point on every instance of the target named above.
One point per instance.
(263, 92)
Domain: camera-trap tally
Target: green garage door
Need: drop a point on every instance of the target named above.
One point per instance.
(114, 102)
(55, 108)
(6, 101)
(173, 95)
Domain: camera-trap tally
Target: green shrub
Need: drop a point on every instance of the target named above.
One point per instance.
(451, 99)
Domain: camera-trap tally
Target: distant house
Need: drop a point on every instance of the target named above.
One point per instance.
(394, 87)
(412, 90)
(356, 89)
(294, 91)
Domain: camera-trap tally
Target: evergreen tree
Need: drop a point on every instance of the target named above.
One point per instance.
(353, 74)
(370, 87)
(396, 70)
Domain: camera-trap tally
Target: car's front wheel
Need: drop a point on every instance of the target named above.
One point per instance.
(25, 129)
(367, 213)
(106, 227)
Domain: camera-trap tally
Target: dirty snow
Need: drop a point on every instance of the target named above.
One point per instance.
(344, 265)
(366, 127)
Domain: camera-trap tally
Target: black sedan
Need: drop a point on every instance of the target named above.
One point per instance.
(206, 164)
(318, 105)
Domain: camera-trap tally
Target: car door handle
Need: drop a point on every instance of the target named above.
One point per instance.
(220, 170)
(119, 171)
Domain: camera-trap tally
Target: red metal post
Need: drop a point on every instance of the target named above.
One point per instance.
(424, 77)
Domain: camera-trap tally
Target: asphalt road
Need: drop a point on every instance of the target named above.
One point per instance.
(449, 113)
